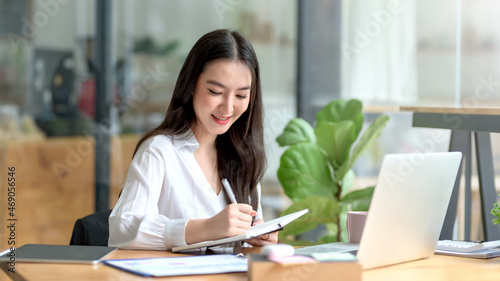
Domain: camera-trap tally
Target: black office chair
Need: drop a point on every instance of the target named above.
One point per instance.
(92, 230)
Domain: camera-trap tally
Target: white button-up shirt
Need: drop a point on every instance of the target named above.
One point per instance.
(164, 188)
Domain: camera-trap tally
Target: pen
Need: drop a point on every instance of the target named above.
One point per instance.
(5, 252)
(231, 196)
(229, 191)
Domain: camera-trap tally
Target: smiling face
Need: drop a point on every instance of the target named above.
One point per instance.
(221, 96)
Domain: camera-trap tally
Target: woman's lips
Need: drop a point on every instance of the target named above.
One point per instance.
(221, 120)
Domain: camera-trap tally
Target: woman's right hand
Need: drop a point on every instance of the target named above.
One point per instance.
(234, 220)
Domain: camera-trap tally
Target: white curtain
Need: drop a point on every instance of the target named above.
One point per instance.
(378, 51)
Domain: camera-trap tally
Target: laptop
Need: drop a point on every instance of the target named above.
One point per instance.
(407, 210)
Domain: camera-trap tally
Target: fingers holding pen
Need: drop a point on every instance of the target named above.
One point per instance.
(241, 215)
(235, 219)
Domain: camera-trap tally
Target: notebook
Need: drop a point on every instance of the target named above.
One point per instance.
(59, 253)
(407, 210)
(254, 231)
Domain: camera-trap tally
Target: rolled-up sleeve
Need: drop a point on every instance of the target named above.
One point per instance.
(135, 222)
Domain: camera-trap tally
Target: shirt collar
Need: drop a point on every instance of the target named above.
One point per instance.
(185, 139)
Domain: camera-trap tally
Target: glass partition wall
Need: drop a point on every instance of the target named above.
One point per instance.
(421, 53)
(47, 93)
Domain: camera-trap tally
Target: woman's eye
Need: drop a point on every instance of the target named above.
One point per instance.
(241, 97)
(214, 92)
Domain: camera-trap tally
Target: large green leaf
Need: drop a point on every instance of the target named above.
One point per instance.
(296, 131)
(344, 237)
(330, 238)
(372, 133)
(347, 182)
(321, 210)
(339, 110)
(359, 199)
(304, 172)
(336, 140)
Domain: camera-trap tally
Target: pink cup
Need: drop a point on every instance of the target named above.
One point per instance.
(355, 224)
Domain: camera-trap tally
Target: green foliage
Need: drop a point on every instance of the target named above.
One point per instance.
(359, 199)
(304, 170)
(315, 171)
(148, 46)
(496, 212)
(321, 211)
(297, 131)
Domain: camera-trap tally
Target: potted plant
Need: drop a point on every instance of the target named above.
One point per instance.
(316, 170)
(496, 212)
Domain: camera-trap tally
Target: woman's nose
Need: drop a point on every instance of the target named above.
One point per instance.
(226, 105)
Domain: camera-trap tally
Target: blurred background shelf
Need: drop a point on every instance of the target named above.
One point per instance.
(55, 184)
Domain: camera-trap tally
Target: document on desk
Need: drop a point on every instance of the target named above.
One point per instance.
(254, 231)
(189, 265)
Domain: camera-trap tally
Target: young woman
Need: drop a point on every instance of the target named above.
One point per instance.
(213, 130)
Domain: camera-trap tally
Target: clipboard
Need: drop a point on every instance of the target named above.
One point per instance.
(254, 231)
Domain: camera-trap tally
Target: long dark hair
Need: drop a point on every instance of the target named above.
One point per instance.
(240, 151)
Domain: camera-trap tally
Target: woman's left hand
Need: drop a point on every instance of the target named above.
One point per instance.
(264, 239)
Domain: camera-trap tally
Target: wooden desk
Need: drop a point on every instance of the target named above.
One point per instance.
(77, 272)
(433, 269)
(465, 123)
(438, 268)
